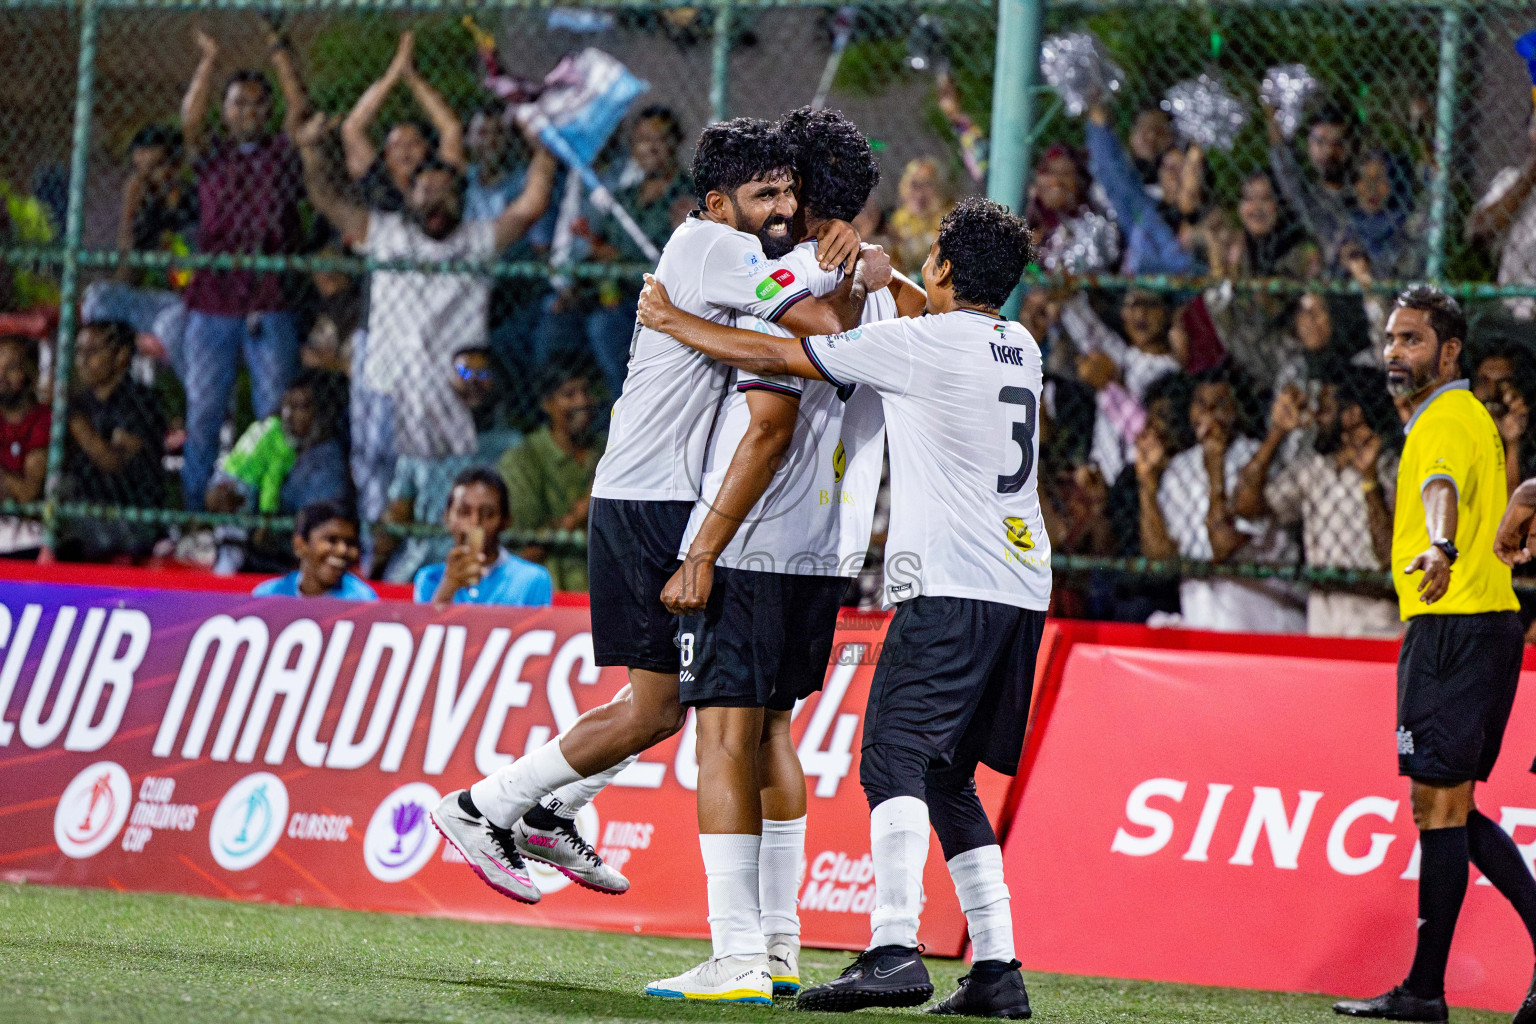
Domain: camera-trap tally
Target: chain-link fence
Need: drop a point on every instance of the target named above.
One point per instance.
(278, 309)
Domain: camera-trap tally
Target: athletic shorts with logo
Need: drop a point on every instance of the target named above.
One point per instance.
(954, 681)
(631, 554)
(763, 640)
(1456, 681)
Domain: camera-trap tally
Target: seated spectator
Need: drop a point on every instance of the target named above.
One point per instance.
(550, 473)
(386, 180)
(248, 188)
(158, 212)
(113, 446)
(924, 197)
(478, 569)
(24, 424)
(1150, 224)
(1071, 234)
(1186, 512)
(419, 491)
(1120, 371)
(1496, 383)
(1505, 218)
(417, 321)
(1381, 224)
(325, 543)
(1341, 489)
(289, 461)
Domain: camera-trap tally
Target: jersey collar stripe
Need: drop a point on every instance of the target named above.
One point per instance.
(789, 300)
(763, 385)
(810, 354)
(1456, 385)
(977, 312)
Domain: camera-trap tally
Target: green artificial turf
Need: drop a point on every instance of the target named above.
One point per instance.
(76, 955)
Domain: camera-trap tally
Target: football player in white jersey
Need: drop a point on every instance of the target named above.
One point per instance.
(968, 568)
(734, 255)
(759, 593)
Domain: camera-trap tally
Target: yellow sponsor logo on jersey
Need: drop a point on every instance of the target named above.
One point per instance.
(839, 463)
(1018, 534)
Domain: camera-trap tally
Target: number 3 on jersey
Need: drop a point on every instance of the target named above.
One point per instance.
(1023, 435)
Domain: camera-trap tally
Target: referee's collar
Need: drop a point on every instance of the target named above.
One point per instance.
(1456, 385)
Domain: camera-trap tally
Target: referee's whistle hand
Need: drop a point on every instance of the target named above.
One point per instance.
(1437, 574)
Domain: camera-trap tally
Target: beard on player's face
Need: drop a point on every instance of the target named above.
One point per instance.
(775, 231)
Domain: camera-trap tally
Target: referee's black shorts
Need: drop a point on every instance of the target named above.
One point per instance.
(1456, 680)
(631, 553)
(764, 640)
(954, 681)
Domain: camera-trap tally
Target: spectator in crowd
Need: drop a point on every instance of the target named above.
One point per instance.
(248, 188)
(1150, 218)
(1150, 140)
(1380, 224)
(1340, 488)
(114, 443)
(289, 461)
(333, 319)
(386, 179)
(325, 543)
(419, 491)
(417, 321)
(1186, 512)
(1505, 218)
(1040, 313)
(924, 198)
(24, 425)
(549, 474)
(1071, 234)
(158, 212)
(1323, 198)
(1120, 370)
(478, 569)
(1496, 383)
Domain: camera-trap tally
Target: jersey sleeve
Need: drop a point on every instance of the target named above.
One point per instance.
(878, 354)
(736, 275)
(780, 383)
(1451, 455)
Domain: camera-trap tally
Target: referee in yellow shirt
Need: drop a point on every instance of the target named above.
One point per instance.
(1460, 660)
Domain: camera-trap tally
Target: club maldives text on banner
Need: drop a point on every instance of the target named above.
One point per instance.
(1235, 818)
(288, 751)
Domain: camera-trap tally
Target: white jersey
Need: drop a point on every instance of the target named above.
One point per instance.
(661, 426)
(815, 517)
(961, 393)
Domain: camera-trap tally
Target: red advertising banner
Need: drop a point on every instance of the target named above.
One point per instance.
(287, 751)
(1235, 818)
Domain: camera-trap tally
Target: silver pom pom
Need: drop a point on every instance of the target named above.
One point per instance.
(1076, 66)
(1205, 113)
(1286, 89)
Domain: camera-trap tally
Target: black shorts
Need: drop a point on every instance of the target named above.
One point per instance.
(954, 680)
(631, 553)
(763, 641)
(1456, 680)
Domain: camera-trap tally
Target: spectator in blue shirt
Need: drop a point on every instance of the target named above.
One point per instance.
(325, 539)
(479, 570)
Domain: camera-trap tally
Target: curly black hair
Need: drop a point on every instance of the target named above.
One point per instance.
(317, 513)
(731, 153)
(835, 163)
(987, 248)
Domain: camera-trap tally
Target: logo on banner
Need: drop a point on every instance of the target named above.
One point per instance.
(550, 879)
(92, 810)
(400, 837)
(249, 821)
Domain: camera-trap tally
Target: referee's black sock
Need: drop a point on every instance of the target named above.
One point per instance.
(1497, 856)
(1442, 887)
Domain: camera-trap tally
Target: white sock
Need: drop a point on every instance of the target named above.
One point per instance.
(779, 864)
(978, 877)
(509, 792)
(898, 842)
(730, 864)
(569, 799)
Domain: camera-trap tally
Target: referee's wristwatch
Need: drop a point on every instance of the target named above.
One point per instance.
(1447, 548)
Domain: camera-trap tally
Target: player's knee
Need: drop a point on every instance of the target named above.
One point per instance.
(1436, 805)
(664, 723)
(887, 770)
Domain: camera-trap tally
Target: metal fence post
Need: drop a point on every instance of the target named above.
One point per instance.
(1445, 126)
(720, 64)
(1014, 70)
(69, 284)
